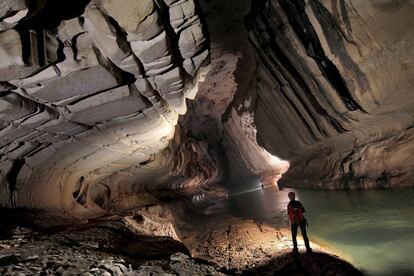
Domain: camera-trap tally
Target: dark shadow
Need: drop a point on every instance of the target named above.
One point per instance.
(134, 247)
(113, 239)
(50, 14)
(6, 231)
(305, 264)
(38, 219)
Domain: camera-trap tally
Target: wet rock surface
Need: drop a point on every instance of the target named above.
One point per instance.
(233, 246)
(104, 250)
(238, 244)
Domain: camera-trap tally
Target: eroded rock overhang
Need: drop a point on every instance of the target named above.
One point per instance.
(90, 98)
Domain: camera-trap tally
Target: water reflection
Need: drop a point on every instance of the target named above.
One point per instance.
(374, 228)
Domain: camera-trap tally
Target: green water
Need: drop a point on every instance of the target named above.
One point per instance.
(374, 229)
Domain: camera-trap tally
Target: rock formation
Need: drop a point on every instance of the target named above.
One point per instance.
(332, 90)
(315, 93)
(111, 108)
(90, 97)
(119, 248)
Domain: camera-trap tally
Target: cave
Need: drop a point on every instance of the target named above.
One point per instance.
(165, 137)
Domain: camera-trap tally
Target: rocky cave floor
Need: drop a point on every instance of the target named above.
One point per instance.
(211, 246)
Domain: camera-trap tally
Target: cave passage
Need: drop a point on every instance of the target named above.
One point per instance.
(372, 229)
(138, 137)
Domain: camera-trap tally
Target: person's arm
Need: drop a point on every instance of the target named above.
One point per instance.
(287, 208)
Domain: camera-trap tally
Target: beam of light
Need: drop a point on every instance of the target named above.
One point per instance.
(245, 191)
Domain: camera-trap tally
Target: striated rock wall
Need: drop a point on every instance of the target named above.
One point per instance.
(333, 90)
(90, 94)
(221, 113)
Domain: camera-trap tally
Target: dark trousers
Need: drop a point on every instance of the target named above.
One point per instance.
(294, 229)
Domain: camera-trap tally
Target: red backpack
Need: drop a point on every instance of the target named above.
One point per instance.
(296, 212)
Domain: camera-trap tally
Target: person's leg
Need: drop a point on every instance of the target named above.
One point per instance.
(294, 230)
(305, 237)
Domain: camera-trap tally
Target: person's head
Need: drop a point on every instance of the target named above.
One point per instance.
(291, 195)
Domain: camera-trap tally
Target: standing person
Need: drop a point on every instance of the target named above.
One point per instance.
(295, 212)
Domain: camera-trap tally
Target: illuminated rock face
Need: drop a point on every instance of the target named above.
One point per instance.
(333, 90)
(323, 86)
(90, 97)
(224, 105)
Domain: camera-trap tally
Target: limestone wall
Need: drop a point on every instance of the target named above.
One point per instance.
(334, 90)
(90, 96)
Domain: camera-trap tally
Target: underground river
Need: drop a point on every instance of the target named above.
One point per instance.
(373, 229)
